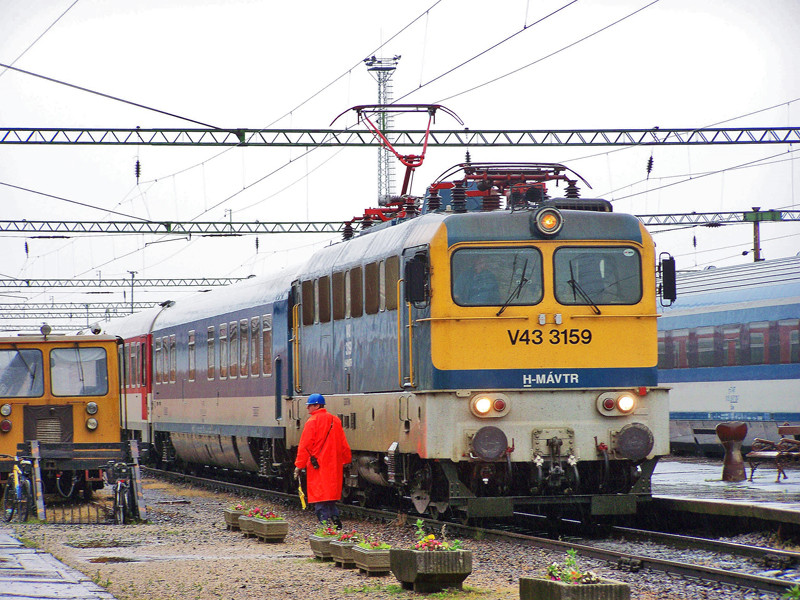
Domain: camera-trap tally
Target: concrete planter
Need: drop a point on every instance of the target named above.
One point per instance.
(321, 546)
(371, 562)
(232, 518)
(342, 553)
(547, 589)
(246, 525)
(430, 571)
(271, 530)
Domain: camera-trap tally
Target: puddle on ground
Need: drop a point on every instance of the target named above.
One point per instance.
(111, 559)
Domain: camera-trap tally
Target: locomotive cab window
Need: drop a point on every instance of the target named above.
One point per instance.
(497, 276)
(598, 275)
(79, 371)
(21, 373)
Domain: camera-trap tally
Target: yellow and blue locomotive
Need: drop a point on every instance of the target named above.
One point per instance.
(488, 349)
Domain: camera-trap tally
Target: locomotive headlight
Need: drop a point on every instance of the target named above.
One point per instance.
(91, 408)
(626, 403)
(548, 221)
(482, 405)
(91, 423)
(5, 410)
(489, 405)
(616, 404)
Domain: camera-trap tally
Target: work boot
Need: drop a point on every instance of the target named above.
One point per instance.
(338, 522)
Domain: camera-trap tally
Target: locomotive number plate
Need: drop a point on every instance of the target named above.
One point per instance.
(555, 337)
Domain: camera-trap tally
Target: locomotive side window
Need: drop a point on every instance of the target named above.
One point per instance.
(233, 349)
(21, 373)
(597, 275)
(79, 371)
(308, 302)
(372, 288)
(392, 275)
(210, 347)
(496, 276)
(223, 351)
(244, 358)
(339, 302)
(255, 346)
(190, 348)
(266, 323)
(324, 299)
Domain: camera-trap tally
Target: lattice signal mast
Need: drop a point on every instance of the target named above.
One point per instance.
(382, 70)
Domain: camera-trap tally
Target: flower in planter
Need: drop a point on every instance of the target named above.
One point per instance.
(352, 537)
(266, 515)
(325, 530)
(373, 544)
(568, 571)
(240, 506)
(429, 542)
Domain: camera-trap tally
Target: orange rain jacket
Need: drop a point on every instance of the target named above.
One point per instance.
(332, 452)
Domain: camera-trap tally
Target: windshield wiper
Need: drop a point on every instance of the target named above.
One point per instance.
(576, 287)
(516, 291)
(31, 370)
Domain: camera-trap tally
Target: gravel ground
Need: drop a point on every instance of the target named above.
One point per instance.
(185, 552)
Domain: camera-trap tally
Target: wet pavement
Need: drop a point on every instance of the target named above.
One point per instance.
(29, 574)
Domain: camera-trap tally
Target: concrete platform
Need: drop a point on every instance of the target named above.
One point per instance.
(30, 574)
(695, 485)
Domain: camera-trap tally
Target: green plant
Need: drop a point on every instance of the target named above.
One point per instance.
(793, 593)
(325, 530)
(260, 513)
(429, 542)
(568, 571)
(373, 544)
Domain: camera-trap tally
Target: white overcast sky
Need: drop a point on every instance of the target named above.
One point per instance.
(253, 64)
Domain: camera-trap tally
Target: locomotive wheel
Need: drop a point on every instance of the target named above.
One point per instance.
(439, 511)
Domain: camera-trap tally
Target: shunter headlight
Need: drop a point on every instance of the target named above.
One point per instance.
(614, 404)
(626, 403)
(548, 221)
(482, 405)
(5, 410)
(91, 423)
(91, 408)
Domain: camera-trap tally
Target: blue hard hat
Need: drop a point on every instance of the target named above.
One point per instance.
(316, 399)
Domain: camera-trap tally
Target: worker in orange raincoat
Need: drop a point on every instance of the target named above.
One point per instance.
(323, 452)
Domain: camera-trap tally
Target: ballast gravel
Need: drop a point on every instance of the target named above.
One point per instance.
(185, 552)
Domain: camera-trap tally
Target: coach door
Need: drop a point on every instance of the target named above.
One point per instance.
(414, 297)
(296, 310)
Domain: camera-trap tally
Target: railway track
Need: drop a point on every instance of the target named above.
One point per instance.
(624, 560)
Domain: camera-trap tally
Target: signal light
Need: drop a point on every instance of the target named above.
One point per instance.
(91, 424)
(548, 221)
(609, 404)
(499, 405)
(625, 403)
(5, 425)
(483, 405)
(91, 408)
(5, 410)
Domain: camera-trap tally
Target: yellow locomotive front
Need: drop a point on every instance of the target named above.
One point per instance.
(542, 384)
(62, 392)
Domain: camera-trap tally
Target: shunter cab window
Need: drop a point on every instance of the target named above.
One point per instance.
(79, 371)
(598, 275)
(497, 276)
(21, 373)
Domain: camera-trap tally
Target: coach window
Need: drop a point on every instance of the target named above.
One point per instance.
(597, 275)
(731, 346)
(789, 335)
(308, 302)
(233, 348)
(157, 359)
(680, 348)
(223, 351)
(190, 348)
(255, 346)
(705, 346)
(392, 275)
(79, 371)
(663, 363)
(173, 359)
(211, 367)
(244, 343)
(339, 302)
(496, 276)
(134, 374)
(324, 298)
(127, 365)
(266, 324)
(372, 288)
(355, 293)
(21, 373)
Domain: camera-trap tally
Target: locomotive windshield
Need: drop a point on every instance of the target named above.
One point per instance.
(21, 373)
(79, 371)
(595, 275)
(497, 276)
